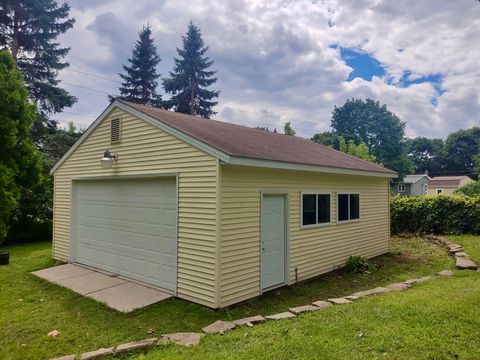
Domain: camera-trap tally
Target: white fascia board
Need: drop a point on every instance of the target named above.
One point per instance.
(235, 160)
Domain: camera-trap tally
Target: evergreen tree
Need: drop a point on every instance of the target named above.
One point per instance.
(29, 30)
(19, 160)
(140, 79)
(190, 78)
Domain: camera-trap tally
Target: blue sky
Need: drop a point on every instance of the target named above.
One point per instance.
(281, 60)
(365, 66)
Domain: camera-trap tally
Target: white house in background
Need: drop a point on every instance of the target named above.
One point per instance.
(447, 184)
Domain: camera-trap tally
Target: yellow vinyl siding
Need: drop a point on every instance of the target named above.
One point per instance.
(313, 251)
(145, 150)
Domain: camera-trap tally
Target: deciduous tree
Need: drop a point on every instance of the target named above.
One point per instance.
(381, 130)
(19, 160)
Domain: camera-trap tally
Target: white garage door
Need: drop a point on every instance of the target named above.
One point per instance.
(128, 227)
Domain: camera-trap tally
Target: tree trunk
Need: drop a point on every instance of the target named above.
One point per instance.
(15, 36)
(192, 101)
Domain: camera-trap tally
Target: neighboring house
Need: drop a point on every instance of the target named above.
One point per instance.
(446, 184)
(212, 212)
(412, 185)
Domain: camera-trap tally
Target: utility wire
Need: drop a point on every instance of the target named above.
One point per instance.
(85, 87)
(93, 75)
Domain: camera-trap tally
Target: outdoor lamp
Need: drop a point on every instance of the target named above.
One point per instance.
(107, 160)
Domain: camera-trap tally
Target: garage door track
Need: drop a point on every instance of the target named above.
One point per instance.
(116, 292)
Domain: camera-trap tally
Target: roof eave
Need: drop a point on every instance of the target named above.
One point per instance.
(242, 161)
(213, 151)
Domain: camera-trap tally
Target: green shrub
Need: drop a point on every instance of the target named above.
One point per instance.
(471, 189)
(357, 264)
(438, 214)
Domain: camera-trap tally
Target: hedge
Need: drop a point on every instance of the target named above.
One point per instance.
(437, 214)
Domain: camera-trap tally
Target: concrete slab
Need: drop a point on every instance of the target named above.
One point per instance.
(118, 293)
(91, 282)
(129, 296)
(56, 273)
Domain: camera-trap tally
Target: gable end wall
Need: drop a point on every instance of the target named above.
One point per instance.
(145, 150)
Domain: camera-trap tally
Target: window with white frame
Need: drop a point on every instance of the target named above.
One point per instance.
(425, 189)
(315, 209)
(348, 206)
(401, 187)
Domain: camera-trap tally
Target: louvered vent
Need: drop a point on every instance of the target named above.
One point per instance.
(115, 130)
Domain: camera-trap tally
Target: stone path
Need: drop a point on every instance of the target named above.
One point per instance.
(220, 326)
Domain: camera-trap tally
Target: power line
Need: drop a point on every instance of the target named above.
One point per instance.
(93, 75)
(85, 87)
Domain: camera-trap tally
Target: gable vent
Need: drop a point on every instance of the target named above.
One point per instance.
(115, 130)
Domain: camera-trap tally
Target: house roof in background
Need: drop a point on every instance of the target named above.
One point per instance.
(411, 179)
(446, 181)
(245, 142)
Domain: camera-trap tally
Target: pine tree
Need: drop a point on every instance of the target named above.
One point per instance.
(190, 78)
(29, 30)
(140, 81)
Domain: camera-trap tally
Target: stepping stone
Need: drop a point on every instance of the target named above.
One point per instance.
(280, 316)
(185, 339)
(417, 281)
(452, 249)
(218, 326)
(96, 354)
(249, 321)
(339, 301)
(302, 309)
(465, 264)
(376, 291)
(398, 286)
(66, 357)
(352, 297)
(461, 254)
(135, 345)
(446, 273)
(322, 304)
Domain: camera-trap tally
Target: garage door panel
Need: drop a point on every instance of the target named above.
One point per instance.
(129, 228)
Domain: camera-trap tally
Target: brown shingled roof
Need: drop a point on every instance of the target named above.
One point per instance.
(446, 181)
(245, 142)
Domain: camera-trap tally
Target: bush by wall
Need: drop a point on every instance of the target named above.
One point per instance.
(439, 214)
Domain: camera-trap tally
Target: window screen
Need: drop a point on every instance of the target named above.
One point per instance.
(309, 209)
(315, 209)
(354, 206)
(323, 214)
(342, 207)
(348, 207)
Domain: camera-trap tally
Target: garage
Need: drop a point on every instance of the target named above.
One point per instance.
(127, 227)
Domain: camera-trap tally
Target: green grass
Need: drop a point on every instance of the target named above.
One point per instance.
(434, 320)
(31, 307)
(470, 243)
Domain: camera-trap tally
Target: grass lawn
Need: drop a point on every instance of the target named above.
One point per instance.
(470, 243)
(434, 320)
(31, 307)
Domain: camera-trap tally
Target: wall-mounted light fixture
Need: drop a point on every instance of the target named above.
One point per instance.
(107, 160)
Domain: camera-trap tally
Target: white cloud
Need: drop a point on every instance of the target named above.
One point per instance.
(277, 56)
